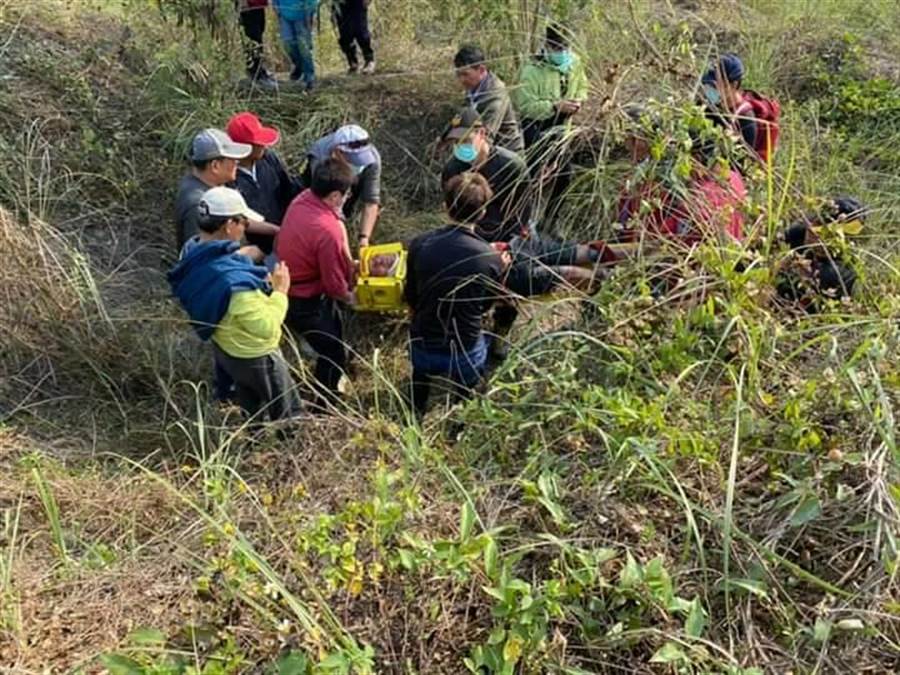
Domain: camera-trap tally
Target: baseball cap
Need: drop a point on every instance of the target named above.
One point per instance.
(214, 144)
(461, 124)
(353, 141)
(731, 67)
(226, 202)
(245, 127)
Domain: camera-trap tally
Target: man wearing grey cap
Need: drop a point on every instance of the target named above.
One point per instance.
(351, 143)
(214, 160)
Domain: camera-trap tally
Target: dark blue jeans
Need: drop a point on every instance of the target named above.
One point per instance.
(298, 41)
(462, 369)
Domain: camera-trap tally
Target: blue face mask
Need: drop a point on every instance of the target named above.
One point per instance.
(563, 60)
(465, 152)
(713, 97)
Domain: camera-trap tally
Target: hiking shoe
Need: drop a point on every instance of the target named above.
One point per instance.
(499, 350)
(353, 69)
(266, 83)
(369, 68)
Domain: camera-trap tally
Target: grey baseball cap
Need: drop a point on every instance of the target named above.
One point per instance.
(214, 144)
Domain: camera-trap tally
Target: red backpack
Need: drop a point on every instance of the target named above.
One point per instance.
(767, 112)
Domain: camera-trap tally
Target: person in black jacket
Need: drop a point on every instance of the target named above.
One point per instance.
(453, 277)
(262, 177)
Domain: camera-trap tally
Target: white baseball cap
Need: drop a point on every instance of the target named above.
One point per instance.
(224, 202)
(354, 142)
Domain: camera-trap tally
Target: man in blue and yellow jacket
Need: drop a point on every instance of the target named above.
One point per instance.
(237, 305)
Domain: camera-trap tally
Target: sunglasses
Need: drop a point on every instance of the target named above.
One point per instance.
(356, 145)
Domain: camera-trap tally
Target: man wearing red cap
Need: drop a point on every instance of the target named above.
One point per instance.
(262, 177)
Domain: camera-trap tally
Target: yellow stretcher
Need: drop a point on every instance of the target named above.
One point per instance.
(381, 294)
(385, 294)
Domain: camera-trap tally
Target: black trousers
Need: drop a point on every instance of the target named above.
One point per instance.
(352, 20)
(320, 322)
(264, 384)
(253, 22)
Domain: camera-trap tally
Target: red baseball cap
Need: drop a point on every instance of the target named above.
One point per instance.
(245, 127)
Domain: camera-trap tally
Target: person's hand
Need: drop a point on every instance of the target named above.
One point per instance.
(255, 253)
(568, 107)
(505, 259)
(281, 278)
(363, 241)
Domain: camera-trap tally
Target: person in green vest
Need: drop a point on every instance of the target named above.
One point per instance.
(552, 87)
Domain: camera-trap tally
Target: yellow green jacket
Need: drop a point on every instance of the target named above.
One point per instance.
(541, 86)
(252, 325)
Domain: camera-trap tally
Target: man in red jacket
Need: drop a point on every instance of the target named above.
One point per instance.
(313, 243)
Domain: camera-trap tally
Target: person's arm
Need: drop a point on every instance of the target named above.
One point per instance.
(259, 314)
(261, 227)
(335, 267)
(578, 83)
(530, 101)
(493, 110)
(370, 195)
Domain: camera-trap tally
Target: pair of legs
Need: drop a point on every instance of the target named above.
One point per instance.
(458, 370)
(253, 23)
(541, 264)
(297, 35)
(264, 385)
(352, 20)
(320, 323)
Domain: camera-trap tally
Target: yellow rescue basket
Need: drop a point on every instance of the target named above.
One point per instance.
(381, 294)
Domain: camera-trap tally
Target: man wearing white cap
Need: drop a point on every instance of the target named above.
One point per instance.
(238, 305)
(214, 161)
(352, 144)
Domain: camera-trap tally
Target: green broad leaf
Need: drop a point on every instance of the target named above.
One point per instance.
(406, 559)
(147, 637)
(669, 653)
(807, 510)
(117, 664)
(695, 623)
(334, 663)
(466, 521)
(495, 593)
(292, 663)
(657, 578)
(631, 575)
(491, 554)
(753, 586)
(822, 630)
